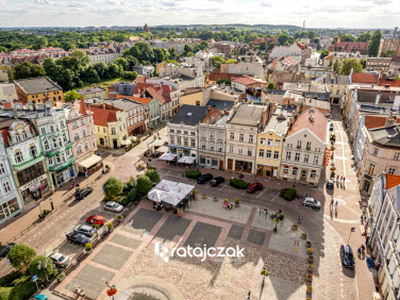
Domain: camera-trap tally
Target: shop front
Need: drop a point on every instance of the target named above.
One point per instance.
(267, 171)
(35, 189)
(89, 165)
(9, 209)
(245, 166)
(211, 162)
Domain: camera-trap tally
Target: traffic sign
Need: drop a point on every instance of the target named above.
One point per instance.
(34, 278)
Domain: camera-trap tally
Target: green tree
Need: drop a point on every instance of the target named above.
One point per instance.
(324, 53)
(389, 53)
(121, 61)
(216, 61)
(130, 75)
(271, 86)
(34, 270)
(231, 61)
(349, 64)
(143, 185)
(235, 40)
(27, 70)
(114, 71)
(263, 45)
(113, 187)
(21, 254)
(132, 195)
(365, 37)
(153, 175)
(71, 96)
(336, 67)
(374, 43)
(348, 38)
(101, 69)
(283, 38)
(270, 46)
(363, 62)
(83, 58)
(91, 75)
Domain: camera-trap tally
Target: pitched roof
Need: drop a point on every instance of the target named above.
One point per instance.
(212, 115)
(160, 93)
(312, 120)
(140, 87)
(364, 78)
(102, 117)
(386, 136)
(376, 121)
(82, 107)
(216, 74)
(392, 181)
(124, 104)
(245, 80)
(190, 115)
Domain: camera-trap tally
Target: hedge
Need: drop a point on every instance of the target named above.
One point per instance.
(192, 174)
(288, 194)
(238, 183)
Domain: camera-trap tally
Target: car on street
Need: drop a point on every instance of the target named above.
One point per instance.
(4, 249)
(217, 180)
(254, 187)
(309, 201)
(85, 229)
(113, 206)
(331, 127)
(96, 219)
(82, 193)
(330, 184)
(346, 255)
(204, 178)
(60, 260)
(78, 238)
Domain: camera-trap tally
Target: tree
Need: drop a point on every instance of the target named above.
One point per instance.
(83, 58)
(130, 75)
(71, 96)
(350, 64)
(389, 53)
(33, 266)
(132, 195)
(374, 43)
(324, 53)
(114, 71)
(270, 46)
(271, 86)
(235, 40)
(21, 254)
(91, 75)
(263, 45)
(336, 67)
(121, 61)
(216, 61)
(101, 69)
(231, 61)
(112, 187)
(153, 175)
(363, 62)
(283, 38)
(348, 38)
(143, 185)
(27, 70)
(365, 37)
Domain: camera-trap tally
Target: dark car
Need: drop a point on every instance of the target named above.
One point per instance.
(78, 238)
(330, 184)
(204, 178)
(331, 127)
(82, 193)
(346, 255)
(217, 180)
(254, 187)
(4, 249)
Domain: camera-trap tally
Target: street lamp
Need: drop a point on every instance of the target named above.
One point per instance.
(264, 273)
(39, 266)
(352, 229)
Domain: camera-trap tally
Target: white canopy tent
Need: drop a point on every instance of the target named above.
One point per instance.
(170, 192)
(167, 156)
(186, 159)
(162, 149)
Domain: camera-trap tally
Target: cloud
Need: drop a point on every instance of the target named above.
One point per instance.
(44, 2)
(218, 1)
(382, 2)
(77, 4)
(168, 3)
(266, 4)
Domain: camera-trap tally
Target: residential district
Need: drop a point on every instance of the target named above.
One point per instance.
(285, 147)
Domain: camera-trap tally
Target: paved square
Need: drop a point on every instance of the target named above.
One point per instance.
(173, 227)
(236, 232)
(203, 234)
(143, 221)
(256, 237)
(125, 241)
(91, 280)
(111, 256)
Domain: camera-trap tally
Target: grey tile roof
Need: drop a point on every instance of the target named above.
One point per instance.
(123, 103)
(278, 122)
(221, 104)
(190, 115)
(37, 85)
(247, 115)
(388, 137)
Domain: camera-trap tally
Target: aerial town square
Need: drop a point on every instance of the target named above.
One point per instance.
(198, 150)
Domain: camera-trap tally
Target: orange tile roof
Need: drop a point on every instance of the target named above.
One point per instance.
(216, 74)
(138, 99)
(160, 93)
(364, 78)
(376, 121)
(392, 181)
(102, 117)
(319, 127)
(140, 87)
(82, 107)
(244, 80)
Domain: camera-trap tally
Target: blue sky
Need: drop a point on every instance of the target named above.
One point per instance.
(317, 13)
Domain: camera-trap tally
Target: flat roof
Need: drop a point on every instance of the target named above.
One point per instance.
(37, 85)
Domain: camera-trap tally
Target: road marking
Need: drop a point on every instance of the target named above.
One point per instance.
(259, 195)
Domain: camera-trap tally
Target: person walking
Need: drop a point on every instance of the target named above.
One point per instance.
(299, 220)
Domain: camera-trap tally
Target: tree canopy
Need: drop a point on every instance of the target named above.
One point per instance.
(349, 64)
(216, 61)
(21, 254)
(26, 70)
(373, 46)
(113, 187)
(143, 185)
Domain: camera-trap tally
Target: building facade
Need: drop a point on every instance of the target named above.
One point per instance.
(38, 90)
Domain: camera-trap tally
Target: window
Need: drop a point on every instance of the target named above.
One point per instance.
(79, 149)
(391, 170)
(31, 172)
(171, 130)
(396, 156)
(46, 145)
(76, 137)
(268, 154)
(313, 174)
(192, 142)
(104, 130)
(219, 148)
(306, 158)
(50, 160)
(288, 155)
(185, 142)
(178, 131)
(203, 145)
(297, 157)
(308, 146)
(261, 153)
(270, 142)
(51, 128)
(212, 146)
(120, 127)
(172, 139)
(295, 170)
(32, 151)
(211, 135)
(18, 156)
(193, 133)
(6, 186)
(65, 138)
(371, 169)
(2, 169)
(250, 152)
(277, 143)
(179, 140)
(276, 154)
(59, 142)
(84, 133)
(240, 151)
(376, 150)
(241, 137)
(17, 137)
(232, 136)
(230, 149)
(113, 131)
(262, 141)
(86, 146)
(43, 130)
(185, 132)
(316, 159)
(251, 138)
(298, 144)
(24, 135)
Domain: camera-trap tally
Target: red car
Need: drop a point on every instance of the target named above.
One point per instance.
(96, 220)
(254, 187)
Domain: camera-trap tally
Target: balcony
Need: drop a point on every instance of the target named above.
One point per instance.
(66, 146)
(62, 166)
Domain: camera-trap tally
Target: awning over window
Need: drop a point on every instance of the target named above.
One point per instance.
(90, 161)
(167, 156)
(186, 159)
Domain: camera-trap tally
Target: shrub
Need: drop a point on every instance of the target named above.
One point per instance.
(123, 201)
(113, 187)
(88, 247)
(110, 226)
(107, 167)
(237, 200)
(143, 185)
(132, 195)
(21, 254)
(238, 183)
(192, 174)
(153, 175)
(9, 279)
(120, 217)
(288, 194)
(46, 212)
(33, 266)
(23, 289)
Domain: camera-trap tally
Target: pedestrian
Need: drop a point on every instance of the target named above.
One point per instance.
(299, 220)
(336, 204)
(341, 178)
(344, 179)
(332, 202)
(359, 251)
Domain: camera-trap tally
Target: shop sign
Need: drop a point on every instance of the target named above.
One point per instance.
(33, 182)
(35, 187)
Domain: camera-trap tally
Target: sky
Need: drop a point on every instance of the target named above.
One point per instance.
(316, 13)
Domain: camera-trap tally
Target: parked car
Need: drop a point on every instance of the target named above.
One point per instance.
(60, 260)
(217, 180)
(254, 187)
(204, 178)
(330, 184)
(4, 249)
(78, 238)
(96, 220)
(331, 127)
(113, 206)
(85, 229)
(346, 255)
(309, 201)
(82, 193)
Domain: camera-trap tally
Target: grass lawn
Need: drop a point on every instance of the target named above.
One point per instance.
(104, 83)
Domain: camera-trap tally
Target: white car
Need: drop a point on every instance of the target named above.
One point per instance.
(308, 201)
(60, 260)
(113, 206)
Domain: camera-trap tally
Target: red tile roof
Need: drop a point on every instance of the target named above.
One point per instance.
(138, 99)
(245, 80)
(141, 79)
(312, 120)
(376, 121)
(102, 117)
(215, 75)
(141, 87)
(392, 181)
(364, 78)
(160, 93)
(82, 107)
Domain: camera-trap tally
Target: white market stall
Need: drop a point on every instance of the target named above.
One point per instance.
(168, 156)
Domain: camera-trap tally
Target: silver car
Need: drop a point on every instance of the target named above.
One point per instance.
(85, 229)
(308, 201)
(60, 260)
(113, 206)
